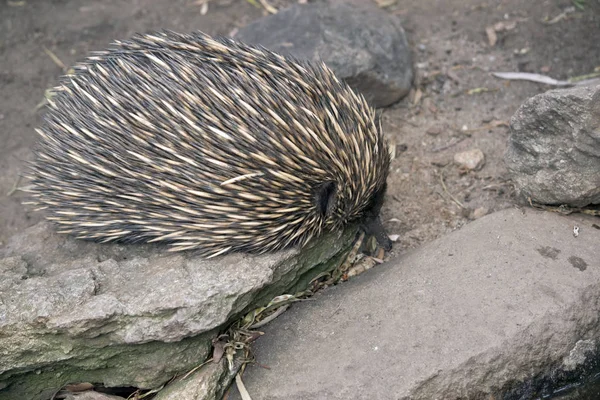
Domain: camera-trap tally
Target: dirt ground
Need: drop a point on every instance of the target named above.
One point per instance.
(456, 105)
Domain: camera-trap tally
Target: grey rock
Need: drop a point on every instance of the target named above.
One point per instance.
(362, 44)
(75, 311)
(553, 152)
(461, 317)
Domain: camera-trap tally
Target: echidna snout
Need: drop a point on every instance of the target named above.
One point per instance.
(208, 144)
(371, 220)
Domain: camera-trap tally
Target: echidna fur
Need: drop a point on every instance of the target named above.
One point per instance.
(208, 144)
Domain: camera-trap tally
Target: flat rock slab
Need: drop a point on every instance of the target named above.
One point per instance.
(133, 316)
(500, 301)
(362, 44)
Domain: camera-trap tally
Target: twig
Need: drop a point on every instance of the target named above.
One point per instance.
(454, 199)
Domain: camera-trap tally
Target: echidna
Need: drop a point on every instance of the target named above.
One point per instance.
(205, 143)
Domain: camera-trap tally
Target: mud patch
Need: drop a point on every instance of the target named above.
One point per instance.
(549, 252)
(578, 263)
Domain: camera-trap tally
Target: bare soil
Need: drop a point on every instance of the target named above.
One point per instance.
(456, 104)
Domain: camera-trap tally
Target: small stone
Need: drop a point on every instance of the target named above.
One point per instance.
(471, 159)
(434, 131)
(480, 212)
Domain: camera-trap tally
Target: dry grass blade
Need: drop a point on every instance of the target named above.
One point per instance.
(268, 7)
(454, 199)
(196, 368)
(480, 90)
(14, 188)
(582, 80)
(448, 145)
(491, 125)
(270, 318)
(149, 392)
(526, 76)
(55, 58)
(585, 77)
(241, 388)
(559, 17)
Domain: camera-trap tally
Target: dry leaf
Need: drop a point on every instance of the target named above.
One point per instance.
(218, 350)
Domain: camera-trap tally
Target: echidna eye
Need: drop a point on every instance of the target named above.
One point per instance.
(325, 198)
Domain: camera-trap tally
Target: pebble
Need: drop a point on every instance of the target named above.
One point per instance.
(434, 131)
(480, 212)
(471, 159)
